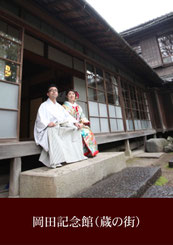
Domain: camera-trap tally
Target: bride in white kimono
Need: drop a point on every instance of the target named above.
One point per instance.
(57, 132)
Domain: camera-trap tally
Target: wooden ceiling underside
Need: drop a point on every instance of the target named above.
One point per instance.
(84, 20)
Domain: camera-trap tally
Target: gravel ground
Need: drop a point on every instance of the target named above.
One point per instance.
(128, 183)
(164, 191)
(159, 192)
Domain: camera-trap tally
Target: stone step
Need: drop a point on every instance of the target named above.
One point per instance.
(150, 155)
(71, 178)
(159, 192)
(129, 183)
(4, 194)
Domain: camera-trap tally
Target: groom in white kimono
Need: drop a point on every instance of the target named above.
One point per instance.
(57, 132)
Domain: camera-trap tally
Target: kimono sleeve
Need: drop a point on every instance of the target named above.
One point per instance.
(82, 116)
(42, 119)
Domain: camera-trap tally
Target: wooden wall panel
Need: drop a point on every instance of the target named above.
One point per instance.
(151, 52)
(34, 105)
(154, 111)
(168, 109)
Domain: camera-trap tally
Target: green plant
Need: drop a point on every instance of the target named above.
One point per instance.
(161, 181)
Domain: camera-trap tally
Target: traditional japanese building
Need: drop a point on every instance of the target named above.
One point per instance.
(68, 43)
(153, 41)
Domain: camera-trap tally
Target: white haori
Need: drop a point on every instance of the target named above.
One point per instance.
(65, 145)
(54, 140)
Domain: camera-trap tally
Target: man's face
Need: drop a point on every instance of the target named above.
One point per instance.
(52, 93)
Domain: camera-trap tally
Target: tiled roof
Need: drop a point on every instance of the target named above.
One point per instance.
(147, 25)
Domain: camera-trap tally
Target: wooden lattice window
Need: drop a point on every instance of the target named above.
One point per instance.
(11, 46)
(97, 100)
(103, 100)
(114, 107)
(137, 48)
(166, 47)
(136, 107)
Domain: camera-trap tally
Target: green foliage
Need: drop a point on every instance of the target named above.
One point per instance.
(167, 167)
(131, 160)
(161, 181)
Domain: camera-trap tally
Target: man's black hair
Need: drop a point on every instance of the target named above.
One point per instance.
(51, 85)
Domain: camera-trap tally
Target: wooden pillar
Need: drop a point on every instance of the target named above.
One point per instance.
(128, 151)
(15, 170)
(155, 136)
(145, 139)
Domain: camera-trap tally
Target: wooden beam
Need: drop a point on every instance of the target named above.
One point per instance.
(78, 19)
(51, 64)
(66, 12)
(106, 42)
(89, 31)
(81, 25)
(18, 149)
(94, 34)
(52, 3)
(107, 138)
(104, 38)
(55, 3)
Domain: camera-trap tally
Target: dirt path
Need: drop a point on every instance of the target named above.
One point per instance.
(161, 162)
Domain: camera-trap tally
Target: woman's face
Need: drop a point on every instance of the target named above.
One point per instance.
(71, 96)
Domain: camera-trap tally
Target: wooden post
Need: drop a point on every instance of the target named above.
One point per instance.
(128, 151)
(15, 170)
(145, 139)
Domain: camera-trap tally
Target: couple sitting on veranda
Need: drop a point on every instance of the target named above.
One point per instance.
(63, 131)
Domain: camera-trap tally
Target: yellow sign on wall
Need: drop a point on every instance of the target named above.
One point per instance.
(7, 71)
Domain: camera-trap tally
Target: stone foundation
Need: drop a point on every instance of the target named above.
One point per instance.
(69, 179)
